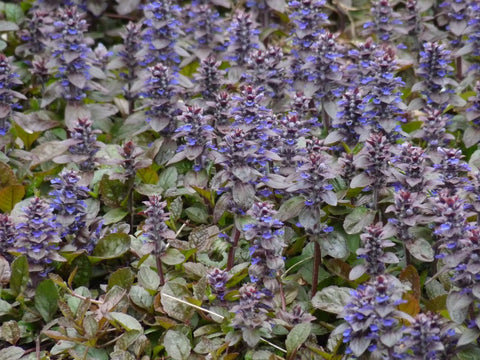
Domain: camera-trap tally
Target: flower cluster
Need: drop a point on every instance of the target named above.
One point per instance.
(160, 97)
(163, 27)
(452, 170)
(434, 128)
(374, 241)
(128, 54)
(429, 336)
(155, 228)
(434, 68)
(385, 20)
(251, 314)
(197, 134)
(7, 235)
(205, 26)
(131, 161)
(372, 318)
(85, 144)
(69, 202)
(217, 279)
(209, 78)
(36, 32)
(37, 237)
(71, 51)
(266, 235)
(350, 122)
(8, 97)
(243, 38)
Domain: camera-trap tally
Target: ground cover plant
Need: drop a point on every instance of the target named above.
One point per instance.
(228, 180)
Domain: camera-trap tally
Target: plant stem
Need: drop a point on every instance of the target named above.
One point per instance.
(231, 252)
(317, 261)
(160, 270)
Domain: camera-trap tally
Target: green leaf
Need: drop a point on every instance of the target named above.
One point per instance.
(111, 246)
(140, 297)
(84, 270)
(297, 336)
(113, 216)
(14, 13)
(358, 219)
(5, 307)
(8, 26)
(20, 275)
(113, 192)
(332, 299)
(457, 305)
(177, 345)
(421, 249)
(168, 178)
(125, 321)
(46, 297)
(291, 208)
(197, 214)
(148, 278)
(11, 195)
(123, 277)
(173, 257)
(470, 353)
(7, 176)
(10, 332)
(11, 353)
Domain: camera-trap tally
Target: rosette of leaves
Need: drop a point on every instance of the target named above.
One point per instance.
(251, 314)
(374, 242)
(385, 20)
(266, 236)
(452, 170)
(243, 32)
(204, 26)
(9, 98)
(430, 336)
(161, 33)
(434, 128)
(197, 134)
(373, 321)
(161, 99)
(71, 51)
(37, 237)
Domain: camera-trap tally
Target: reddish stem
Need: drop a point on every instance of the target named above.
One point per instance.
(231, 252)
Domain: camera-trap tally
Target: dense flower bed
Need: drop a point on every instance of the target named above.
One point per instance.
(228, 180)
